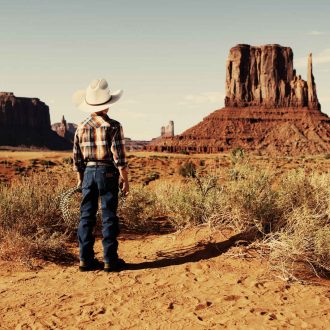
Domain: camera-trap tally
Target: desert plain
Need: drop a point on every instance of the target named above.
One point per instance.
(199, 276)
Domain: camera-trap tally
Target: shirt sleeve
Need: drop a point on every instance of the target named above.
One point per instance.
(118, 148)
(78, 158)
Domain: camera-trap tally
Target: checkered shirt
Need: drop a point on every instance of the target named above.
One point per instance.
(99, 138)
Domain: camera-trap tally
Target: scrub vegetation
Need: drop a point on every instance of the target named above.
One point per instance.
(288, 212)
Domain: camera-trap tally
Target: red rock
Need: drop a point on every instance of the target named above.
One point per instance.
(65, 130)
(274, 131)
(264, 76)
(268, 108)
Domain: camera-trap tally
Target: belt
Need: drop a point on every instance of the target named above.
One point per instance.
(90, 163)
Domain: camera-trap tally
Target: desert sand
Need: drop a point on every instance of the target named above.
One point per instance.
(187, 280)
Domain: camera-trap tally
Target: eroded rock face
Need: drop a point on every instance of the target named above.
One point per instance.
(65, 129)
(26, 122)
(264, 76)
(277, 131)
(167, 130)
(269, 109)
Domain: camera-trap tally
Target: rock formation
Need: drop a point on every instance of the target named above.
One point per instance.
(64, 129)
(135, 145)
(26, 122)
(264, 76)
(167, 131)
(268, 108)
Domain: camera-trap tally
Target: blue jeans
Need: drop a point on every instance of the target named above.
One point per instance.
(99, 181)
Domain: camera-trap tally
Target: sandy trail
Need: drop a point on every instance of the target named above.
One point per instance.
(173, 283)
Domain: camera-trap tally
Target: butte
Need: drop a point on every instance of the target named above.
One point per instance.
(268, 109)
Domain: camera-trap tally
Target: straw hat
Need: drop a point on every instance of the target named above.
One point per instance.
(96, 97)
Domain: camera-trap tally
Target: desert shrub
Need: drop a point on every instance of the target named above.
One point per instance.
(151, 177)
(250, 199)
(237, 155)
(138, 209)
(47, 163)
(67, 160)
(196, 201)
(187, 169)
(291, 212)
(6, 162)
(34, 162)
(29, 215)
(302, 234)
(19, 169)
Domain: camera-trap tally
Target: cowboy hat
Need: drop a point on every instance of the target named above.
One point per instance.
(96, 97)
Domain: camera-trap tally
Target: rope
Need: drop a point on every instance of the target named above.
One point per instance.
(70, 217)
(71, 212)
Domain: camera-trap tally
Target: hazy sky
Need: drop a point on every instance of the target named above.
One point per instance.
(168, 56)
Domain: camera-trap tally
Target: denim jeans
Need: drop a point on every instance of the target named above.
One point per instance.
(99, 181)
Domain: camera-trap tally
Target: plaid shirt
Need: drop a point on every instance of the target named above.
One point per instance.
(98, 138)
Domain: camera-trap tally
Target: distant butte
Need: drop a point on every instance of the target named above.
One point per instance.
(268, 108)
(25, 122)
(64, 129)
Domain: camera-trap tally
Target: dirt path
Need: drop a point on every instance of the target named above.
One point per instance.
(173, 283)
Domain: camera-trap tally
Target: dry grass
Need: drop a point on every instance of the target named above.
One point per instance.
(31, 225)
(302, 235)
(290, 210)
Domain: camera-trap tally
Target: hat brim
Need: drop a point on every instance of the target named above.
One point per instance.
(79, 99)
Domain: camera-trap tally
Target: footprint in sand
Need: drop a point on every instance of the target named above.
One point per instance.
(232, 298)
(88, 312)
(203, 306)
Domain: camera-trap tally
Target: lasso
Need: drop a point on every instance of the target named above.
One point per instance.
(71, 218)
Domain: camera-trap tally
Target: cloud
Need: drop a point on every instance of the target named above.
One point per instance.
(316, 33)
(202, 98)
(320, 58)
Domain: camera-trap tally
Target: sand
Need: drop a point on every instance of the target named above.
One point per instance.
(176, 281)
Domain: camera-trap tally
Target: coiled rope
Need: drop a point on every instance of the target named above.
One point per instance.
(70, 214)
(69, 204)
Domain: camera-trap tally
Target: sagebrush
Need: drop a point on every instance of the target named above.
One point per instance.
(291, 212)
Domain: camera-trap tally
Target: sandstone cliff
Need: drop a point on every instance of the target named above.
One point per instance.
(65, 130)
(26, 122)
(272, 131)
(264, 76)
(268, 108)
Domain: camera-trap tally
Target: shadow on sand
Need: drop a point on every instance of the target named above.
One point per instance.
(202, 251)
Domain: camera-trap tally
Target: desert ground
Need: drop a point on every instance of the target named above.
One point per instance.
(198, 278)
(143, 165)
(178, 281)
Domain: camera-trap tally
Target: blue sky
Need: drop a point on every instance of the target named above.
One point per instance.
(168, 56)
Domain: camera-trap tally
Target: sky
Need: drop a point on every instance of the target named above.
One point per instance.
(168, 56)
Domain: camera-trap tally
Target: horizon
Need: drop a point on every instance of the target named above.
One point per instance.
(170, 62)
